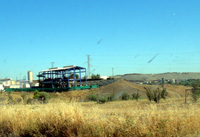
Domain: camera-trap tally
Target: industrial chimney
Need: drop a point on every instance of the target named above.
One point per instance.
(30, 76)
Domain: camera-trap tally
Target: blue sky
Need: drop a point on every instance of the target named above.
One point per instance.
(131, 36)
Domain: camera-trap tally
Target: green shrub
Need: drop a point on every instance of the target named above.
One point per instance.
(19, 100)
(110, 97)
(149, 94)
(156, 95)
(29, 101)
(36, 94)
(92, 97)
(24, 96)
(44, 97)
(164, 93)
(136, 96)
(195, 92)
(41, 96)
(96, 77)
(102, 99)
(125, 96)
(10, 99)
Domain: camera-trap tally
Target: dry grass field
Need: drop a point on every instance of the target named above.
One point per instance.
(60, 118)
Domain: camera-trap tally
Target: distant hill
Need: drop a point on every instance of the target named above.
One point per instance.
(167, 76)
(120, 86)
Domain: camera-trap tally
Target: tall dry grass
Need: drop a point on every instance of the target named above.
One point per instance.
(119, 118)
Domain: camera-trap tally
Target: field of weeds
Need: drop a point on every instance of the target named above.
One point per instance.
(118, 118)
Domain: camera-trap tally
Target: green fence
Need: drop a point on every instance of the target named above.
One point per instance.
(50, 89)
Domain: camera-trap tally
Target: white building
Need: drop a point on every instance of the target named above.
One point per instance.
(9, 83)
(104, 77)
(1, 87)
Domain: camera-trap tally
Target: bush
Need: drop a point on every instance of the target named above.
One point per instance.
(96, 77)
(10, 99)
(29, 101)
(92, 97)
(164, 93)
(24, 96)
(149, 94)
(102, 99)
(195, 92)
(125, 96)
(136, 96)
(36, 94)
(42, 96)
(110, 97)
(19, 100)
(156, 95)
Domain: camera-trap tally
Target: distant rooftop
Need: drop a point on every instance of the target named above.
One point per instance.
(6, 79)
(64, 68)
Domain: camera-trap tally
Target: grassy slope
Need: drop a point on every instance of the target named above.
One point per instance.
(125, 86)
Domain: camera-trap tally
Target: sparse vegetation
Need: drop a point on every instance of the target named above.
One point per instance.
(10, 100)
(96, 77)
(195, 91)
(100, 98)
(164, 93)
(24, 96)
(41, 96)
(156, 95)
(92, 97)
(189, 82)
(110, 97)
(125, 96)
(136, 96)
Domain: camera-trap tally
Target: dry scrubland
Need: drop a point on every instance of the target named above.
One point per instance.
(118, 118)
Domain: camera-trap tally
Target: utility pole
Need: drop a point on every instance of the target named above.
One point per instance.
(88, 56)
(52, 63)
(113, 72)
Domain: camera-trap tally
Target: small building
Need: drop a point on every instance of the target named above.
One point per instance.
(1, 87)
(8, 82)
(104, 77)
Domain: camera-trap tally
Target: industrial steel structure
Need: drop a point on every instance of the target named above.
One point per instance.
(68, 76)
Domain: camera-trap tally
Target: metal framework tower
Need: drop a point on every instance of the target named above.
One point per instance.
(113, 72)
(88, 56)
(62, 77)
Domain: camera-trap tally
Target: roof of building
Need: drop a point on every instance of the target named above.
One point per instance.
(6, 79)
(64, 68)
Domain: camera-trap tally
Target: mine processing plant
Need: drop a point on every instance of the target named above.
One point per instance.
(68, 76)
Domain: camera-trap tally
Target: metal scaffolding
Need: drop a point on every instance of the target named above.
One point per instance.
(68, 76)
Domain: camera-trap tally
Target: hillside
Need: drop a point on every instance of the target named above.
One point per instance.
(125, 86)
(120, 86)
(174, 75)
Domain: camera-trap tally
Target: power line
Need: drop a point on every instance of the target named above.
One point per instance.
(142, 54)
